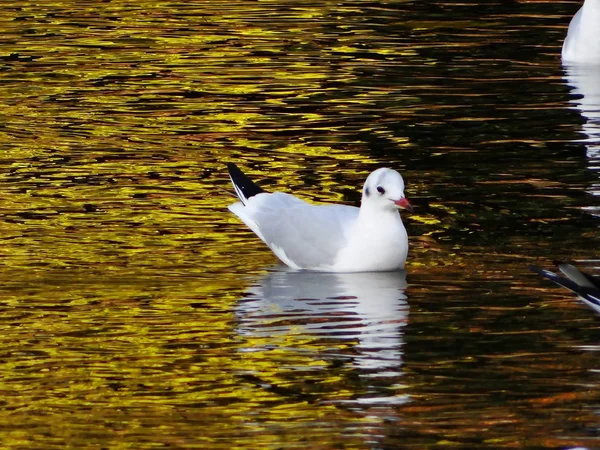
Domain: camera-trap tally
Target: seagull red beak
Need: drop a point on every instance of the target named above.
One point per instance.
(404, 204)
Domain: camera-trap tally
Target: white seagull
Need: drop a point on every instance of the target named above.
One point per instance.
(582, 44)
(329, 238)
(587, 287)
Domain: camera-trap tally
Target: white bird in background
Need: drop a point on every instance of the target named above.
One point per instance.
(329, 238)
(586, 287)
(582, 44)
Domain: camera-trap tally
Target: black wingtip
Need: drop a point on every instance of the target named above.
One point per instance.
(537, 270)
(244, 186)
(561, 281)
(589, 294)
(231, 167)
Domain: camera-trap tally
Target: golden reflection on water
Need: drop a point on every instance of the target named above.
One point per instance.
(134, 306)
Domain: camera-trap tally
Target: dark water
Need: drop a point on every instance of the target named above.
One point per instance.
(138, 313)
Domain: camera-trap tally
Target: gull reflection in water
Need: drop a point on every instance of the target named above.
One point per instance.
(585, 83)
(368, 310)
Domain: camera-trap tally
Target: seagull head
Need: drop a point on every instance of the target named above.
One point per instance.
(384, 189)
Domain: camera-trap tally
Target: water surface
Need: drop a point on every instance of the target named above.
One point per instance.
(138, 312)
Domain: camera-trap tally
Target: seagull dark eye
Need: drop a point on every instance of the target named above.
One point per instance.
(380, 189)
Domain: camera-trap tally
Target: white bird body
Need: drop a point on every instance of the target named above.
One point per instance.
(330, 238)
(377, 241)
(582, 44)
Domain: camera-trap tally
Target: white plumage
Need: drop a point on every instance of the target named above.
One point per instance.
(331, 238)
(582, 44)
